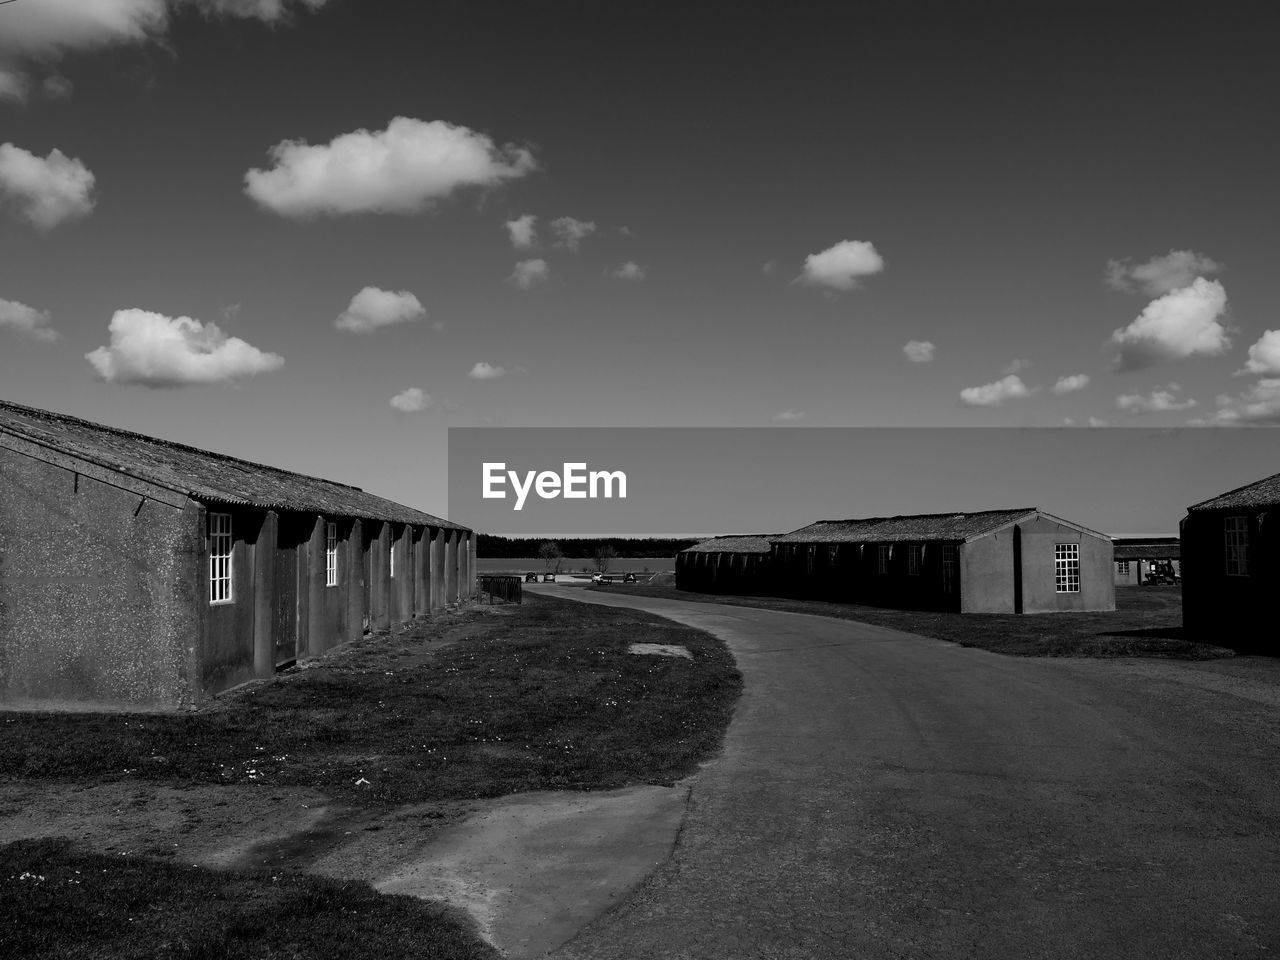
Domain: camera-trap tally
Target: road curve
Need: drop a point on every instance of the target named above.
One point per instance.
(886, 795)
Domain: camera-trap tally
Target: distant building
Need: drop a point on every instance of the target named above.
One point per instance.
(997, 561)
(1143, 559)
(1231, 567)
(135, 571)
(726, 565)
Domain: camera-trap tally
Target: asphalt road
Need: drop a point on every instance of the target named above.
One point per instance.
(886, 795)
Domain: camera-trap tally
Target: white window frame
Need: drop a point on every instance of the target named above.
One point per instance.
(1066, 567)
(221, 557)
(1235, 536)
(915, 554)
(1122, 567)
(330, 554)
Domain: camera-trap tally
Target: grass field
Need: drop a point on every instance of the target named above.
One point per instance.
(567, 566)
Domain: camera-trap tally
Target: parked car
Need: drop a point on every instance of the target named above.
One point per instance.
(530, 577)
(629, 578)
(598, 578)
(548, 578)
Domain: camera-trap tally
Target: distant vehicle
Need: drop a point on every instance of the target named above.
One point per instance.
(598, 578)
(530, 577)
(548, 578)
(629, 578)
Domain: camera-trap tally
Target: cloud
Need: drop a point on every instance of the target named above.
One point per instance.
(13, 86)
(411, 401)
(1160, 275)
(629, 271)
(403, 169)
(45, 191)
(530, 273)
(158, 351)
(486, 371)
(1072, 383)
(523, 230)
(1159, 401)
(1099, 422)
(27, 321)
(1264, 356)
(1016, 365)
(268, 11)
(1182, 323)
(788, 416)
(570, 232)
(839, 266)
(57, 87)
(994, 394)
(919, 351)
(769, 267)
(1259, 405)
(372, 308)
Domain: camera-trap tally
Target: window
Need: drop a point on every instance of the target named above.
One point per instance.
(220, 558)
(392, 570)
(948, 568)
(1066, 567)
(1236, 530)
(913, 559)
(882, 559)
(1122, 567)
(330, 554)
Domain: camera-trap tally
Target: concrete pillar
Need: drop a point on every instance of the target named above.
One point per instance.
(473, 571)
(421, 571)
(405, 574)
(451, 568)
(464, 565)
(353, 581)
(264, 582)
(380, 589)
(438, 535)
(318, 639)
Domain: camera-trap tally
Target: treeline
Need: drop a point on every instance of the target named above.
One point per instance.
(490, 547)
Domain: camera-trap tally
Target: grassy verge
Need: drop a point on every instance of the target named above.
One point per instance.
(56, 903)
(547, 697)
(1147, 622)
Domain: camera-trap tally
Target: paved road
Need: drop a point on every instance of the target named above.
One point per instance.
(885, 795)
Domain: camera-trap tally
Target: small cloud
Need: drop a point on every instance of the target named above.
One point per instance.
(530, 273)
(268, 11)
(403, 169)
(486, 371)
(1072, 383)
(1264, 356)
(918, 351)
(1016, 365)
(1099, 422)
(45, 191)
(14, 86)
(629, 271)
(373, 308)
(411, 400)
(1259, 405)
(27, 321)
(523, 231)
(994, 394)
(570, 232)
(1160, 275)
(1159, 401)
(1180, 324)
(788, 416)
(624, 231)
(56, 87)
(839, 266)
(437, 326)
(153, 350)
(769, 268)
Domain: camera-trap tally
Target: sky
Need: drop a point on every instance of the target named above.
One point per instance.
(320, 233)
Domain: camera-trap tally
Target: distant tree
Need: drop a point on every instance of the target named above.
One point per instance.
(549, 553)
(603, 555)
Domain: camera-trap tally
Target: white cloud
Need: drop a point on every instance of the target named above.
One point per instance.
(523, 230)
(56, 87)
(1099, 422)
(268, 11)
(486, 371)
(839, 266)
(629, 271)
(403, 169)
(919, 351)
(1016, 365)
(372, 308)
(1182, 323)
(46, 191)
(27, 321)
(788, 416)
(1072, 383)
(1160, 275)
(1159, 401)
(530, 273)
(157, 351)
(13, 86)
(994, 394)
(570, 232)
(1259, 405)
(411, 400)
(769, 267)
(1264, 356)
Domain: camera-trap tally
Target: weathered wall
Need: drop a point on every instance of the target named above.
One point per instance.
(1097, 576)
(225, 648)
(97, 589)
(1229, 610)
(987, 578)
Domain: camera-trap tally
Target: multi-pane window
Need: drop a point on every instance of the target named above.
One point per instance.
(1236, 530)
(913, 559)
(1066, 567)
(948, 568)
(1122, 567)
(220, 557)
(882, 558)
(331, 554)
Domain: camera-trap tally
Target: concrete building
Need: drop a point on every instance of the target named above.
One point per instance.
(997, 561)
(135, 571)
(738, 565)
(1231, 568)
(1142, 559)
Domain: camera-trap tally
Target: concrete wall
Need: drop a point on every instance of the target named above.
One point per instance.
(1097, 578)
(1226, 609)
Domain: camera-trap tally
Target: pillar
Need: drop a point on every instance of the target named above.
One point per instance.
(380, 589)
(437, 567)
(264, 582)
(451, 568)
(353, 581)
(317, 637)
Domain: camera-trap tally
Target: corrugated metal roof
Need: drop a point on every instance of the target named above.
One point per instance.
(953, 527)
(1153, 549)
(200, 474)
(749, 543)
(1260, 493)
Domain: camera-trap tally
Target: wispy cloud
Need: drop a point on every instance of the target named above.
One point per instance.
(1016, 365)
(1264, 356)
(373, 308)
(919, 351)
(1072, 383)
(570, 232)
(411, 400)
(1182, 323)
(788, 416)
(1259, 405)
(995, 394)
(1160, 275)
(486, 371)
(153, 350)
(629, 271)
(45, 191)
(1158, 401)
(27, 321)
(403, 169)
(840, 266)
(530, 273)
(523, 231)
